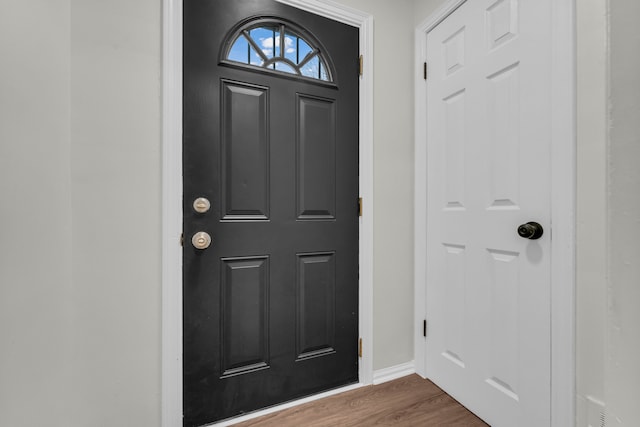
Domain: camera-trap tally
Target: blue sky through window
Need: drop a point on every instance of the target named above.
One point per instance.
(262, 46)
(240, 50)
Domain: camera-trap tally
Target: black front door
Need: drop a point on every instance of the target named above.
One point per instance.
(270, 152)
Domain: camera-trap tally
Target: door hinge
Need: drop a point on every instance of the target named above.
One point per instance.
(424, 328)
(360, 348)
(182, 239)
(360, 65)
(359, 206)
(425, 71)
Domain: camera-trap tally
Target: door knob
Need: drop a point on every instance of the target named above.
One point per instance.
(201, 240)
(531, 230)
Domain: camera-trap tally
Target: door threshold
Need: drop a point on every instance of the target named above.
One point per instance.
(286, 405)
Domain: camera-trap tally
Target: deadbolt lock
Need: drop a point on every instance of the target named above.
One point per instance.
(201, 205)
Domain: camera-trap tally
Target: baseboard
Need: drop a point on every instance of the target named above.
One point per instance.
(394, 372)
(591, 412)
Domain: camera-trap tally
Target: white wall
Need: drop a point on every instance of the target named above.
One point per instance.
(80, 213)
(35, 214)
(591, 251)
(423, 9)
(623, 370)
(116, 184)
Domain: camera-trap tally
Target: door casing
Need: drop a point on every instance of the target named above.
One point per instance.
(563, 202)
(172, 195)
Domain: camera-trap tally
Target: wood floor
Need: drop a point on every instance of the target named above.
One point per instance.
(408, 401)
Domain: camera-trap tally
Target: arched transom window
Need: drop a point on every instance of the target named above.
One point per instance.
(278, 46)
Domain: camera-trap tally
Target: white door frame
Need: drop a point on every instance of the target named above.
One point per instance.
(172, 194)
(563, 196)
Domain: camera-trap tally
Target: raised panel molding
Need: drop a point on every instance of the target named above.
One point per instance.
(244, 307)
(505, 309)
(316, 159)
(504, 131)
(454, 52)
(455, 140)
(502, 22)
(245, 151)
(454, 303)
(316, 287)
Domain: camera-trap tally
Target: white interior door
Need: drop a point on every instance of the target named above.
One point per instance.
(488, 171)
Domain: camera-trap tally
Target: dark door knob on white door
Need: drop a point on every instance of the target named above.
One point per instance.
(531, 230)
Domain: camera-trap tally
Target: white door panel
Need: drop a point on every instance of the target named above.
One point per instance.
(488, 157)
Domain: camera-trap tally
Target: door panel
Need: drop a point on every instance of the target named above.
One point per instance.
(488, 289)
(271, 306)
(244, 312)
(245, 151)
(316, 304)
(316, 159)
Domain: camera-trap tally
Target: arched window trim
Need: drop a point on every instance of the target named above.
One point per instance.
(284, 27)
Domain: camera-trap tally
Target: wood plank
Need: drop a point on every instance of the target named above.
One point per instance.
(408, 401)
